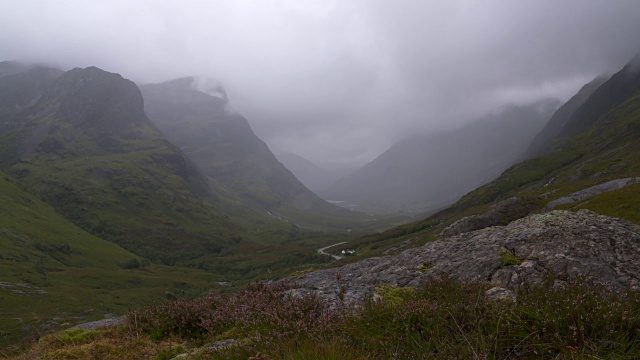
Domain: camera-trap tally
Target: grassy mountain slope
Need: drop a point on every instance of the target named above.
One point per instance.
(543, 140)
(91, 191)
(52, 272)
(608, 96)
(89, 150)
(607, 148)
(221, 142)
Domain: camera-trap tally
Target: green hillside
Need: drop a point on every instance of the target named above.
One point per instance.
(54, 274)
(88, 149)
(603, 149)
(100, 213)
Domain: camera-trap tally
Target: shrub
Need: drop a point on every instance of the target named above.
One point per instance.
(444, 319)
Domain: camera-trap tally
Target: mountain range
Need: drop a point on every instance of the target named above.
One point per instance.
(590, 160)
(104, 210)
(196, 115)
(99, 201)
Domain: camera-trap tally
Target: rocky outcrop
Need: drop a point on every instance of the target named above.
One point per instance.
(501, 213)
(592, 191)
(514, 208)
(560, 244)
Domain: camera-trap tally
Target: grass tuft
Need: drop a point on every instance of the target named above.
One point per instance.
(509, 258)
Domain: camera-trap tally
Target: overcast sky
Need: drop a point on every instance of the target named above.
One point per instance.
(338, 80)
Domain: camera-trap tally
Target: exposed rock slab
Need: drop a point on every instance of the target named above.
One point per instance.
(591, 192)
(501, 213)
(526, 252)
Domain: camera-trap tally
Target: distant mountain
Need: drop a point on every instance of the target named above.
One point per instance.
(427, 172)
(221, 142)
(22, 86)
(12, 67)
(316, 178)
(592, 163)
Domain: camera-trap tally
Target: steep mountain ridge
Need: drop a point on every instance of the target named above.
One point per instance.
(88, 149)
(544, 139)
(506, 232)
(611, 94)
(221, 142)
(606, 151)
(100, 212)
(22, 86)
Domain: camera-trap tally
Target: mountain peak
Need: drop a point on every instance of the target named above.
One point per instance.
(93, 97)
(210, 87)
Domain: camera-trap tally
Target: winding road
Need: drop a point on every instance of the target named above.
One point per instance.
(321, 251)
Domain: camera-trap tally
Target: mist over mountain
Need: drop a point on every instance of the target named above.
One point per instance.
(220, 141)
(22, 86)
(507, 232)
(427, 172)
(87, 148)
(596, 169)
(316, 177)
(79, 145)
(153, 151)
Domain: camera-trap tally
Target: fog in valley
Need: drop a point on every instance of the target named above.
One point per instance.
(291, 160)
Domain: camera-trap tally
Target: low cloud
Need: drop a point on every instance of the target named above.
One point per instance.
(339, 80)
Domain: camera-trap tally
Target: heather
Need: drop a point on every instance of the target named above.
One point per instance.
(444, 319)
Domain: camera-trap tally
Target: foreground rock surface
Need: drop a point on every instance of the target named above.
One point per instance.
(523, 253)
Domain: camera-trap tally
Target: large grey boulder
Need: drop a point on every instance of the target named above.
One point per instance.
(561, 244)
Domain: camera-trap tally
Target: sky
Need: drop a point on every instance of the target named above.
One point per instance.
(339, 81)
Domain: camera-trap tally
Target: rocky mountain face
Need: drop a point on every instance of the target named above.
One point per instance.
(100, 212)
(426, 173)
(88, 149)
(22, 86)
(556, 246)
(220, 141)
(622, 86)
